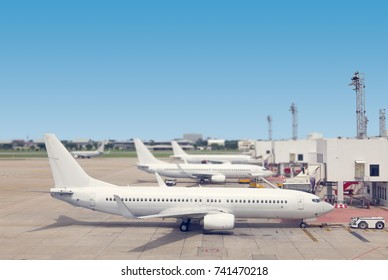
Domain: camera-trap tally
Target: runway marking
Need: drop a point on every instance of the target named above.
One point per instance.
(310, 235)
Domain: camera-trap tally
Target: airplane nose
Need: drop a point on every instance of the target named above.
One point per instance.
(327, 207)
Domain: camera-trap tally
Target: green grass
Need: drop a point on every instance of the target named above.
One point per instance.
(110, 154)
(43, 154)
(130, 154)
(22, 154)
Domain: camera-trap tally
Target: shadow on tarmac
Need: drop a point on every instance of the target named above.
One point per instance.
(65, 221)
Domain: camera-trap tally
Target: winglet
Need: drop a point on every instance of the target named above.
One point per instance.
(161, 183)
(123, 208)
(180, 168)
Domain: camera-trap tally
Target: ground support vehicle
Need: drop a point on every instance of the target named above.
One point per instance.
(367, 222)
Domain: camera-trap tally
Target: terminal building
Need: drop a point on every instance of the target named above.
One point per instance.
(356, 168)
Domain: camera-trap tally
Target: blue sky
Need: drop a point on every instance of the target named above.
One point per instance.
(159, 69)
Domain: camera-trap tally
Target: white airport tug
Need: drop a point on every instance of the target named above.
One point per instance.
(367, 222)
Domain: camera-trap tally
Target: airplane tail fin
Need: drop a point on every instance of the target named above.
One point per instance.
(101, 147)
(143, 154)
(178, 151)
(65, 169)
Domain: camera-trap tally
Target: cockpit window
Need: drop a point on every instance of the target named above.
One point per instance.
(316, 200)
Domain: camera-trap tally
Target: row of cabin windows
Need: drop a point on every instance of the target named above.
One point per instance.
(200, 200)
(213, 169)
(157, 199)
(256, 201)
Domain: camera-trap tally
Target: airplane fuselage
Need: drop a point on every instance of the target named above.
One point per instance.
(79, 154)
(242, 203)
(236, 159)
(203, 170)
(217, 208)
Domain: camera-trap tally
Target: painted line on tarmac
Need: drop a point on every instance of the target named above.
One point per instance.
(310, 235)
(365, 253)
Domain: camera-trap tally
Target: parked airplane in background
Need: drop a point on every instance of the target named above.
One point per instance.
(203, 158)
(215, 173)
(89, 154)
(217, 208)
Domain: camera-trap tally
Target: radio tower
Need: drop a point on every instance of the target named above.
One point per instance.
(294, 112)
(359, 87)
(269, 119)
(382, 123)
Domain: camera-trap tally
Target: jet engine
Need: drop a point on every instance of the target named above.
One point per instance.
(218, 178)
(220, 221)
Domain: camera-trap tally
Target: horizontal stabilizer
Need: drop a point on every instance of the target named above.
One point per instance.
(61, 191)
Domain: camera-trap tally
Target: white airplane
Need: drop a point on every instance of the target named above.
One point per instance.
(203, 158)
(89, 154)
(215, 173)
(217, 208)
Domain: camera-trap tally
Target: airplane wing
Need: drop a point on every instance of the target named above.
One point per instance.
(175, 212)
(197, 175)
(256, 174)
(124, 209)
(178, 213)
(205, 175)
(184, 172)
(217, 161)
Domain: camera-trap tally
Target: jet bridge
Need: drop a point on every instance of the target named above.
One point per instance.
(307, 180)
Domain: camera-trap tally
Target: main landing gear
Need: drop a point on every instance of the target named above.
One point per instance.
(303, 224)
(185, 225)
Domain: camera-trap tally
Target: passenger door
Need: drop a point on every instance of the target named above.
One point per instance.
(300, 203)
(92, 200)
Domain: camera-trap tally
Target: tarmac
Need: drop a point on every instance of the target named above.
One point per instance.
(35, 226)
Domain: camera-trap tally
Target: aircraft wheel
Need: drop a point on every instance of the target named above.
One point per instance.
(303, 225)
(202, 181)
(379, 225)
(184, 227)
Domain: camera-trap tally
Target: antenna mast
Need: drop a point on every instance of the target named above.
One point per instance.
(269, 119)
(382, 123)
(294, 112)
(358, 81)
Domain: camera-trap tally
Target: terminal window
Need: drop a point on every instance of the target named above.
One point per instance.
(374, 170)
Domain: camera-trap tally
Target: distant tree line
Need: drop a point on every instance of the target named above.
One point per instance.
(71, 146)
(229, 145)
